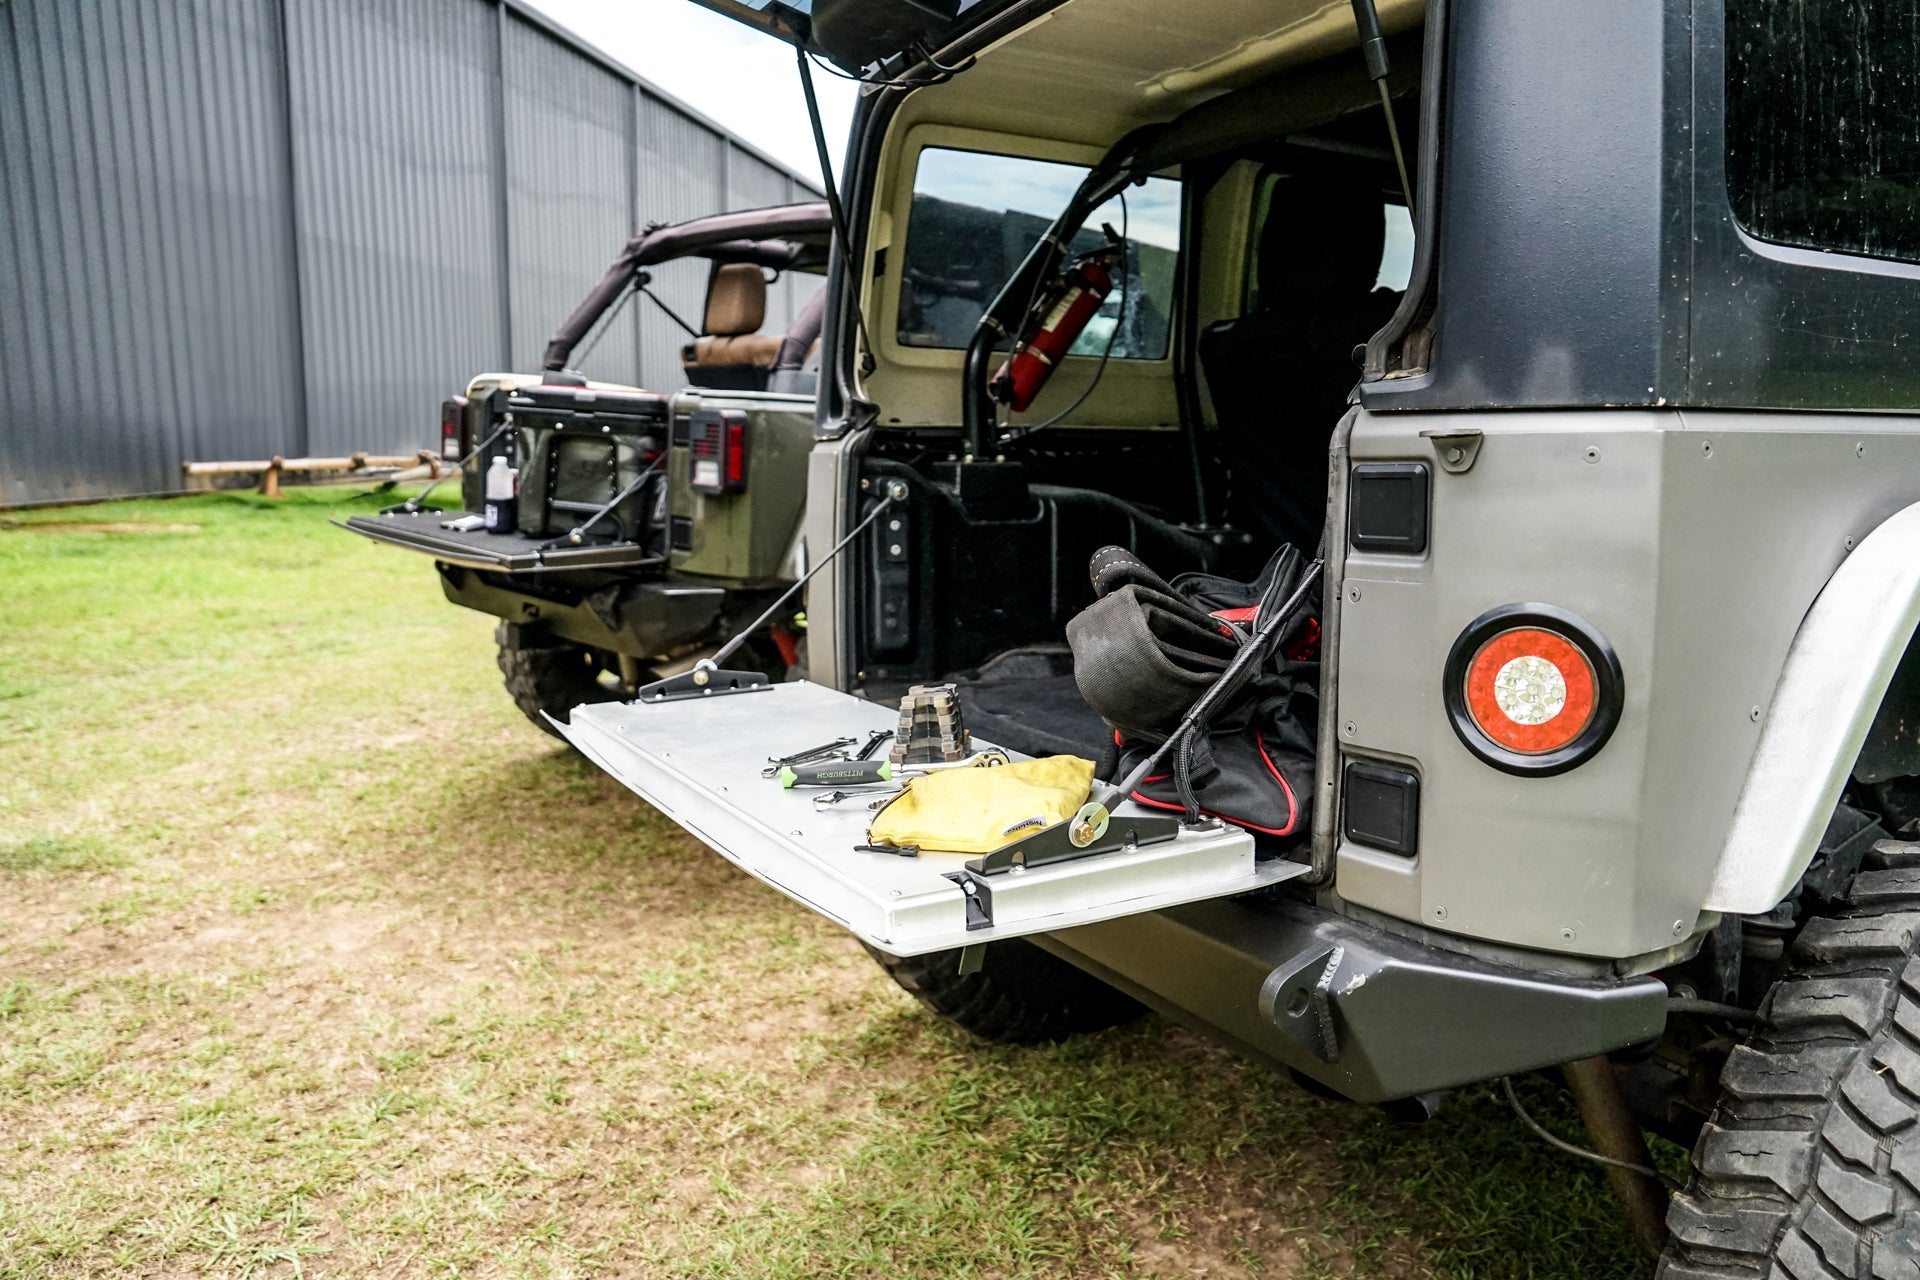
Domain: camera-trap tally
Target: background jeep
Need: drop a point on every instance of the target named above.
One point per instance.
(648, 525)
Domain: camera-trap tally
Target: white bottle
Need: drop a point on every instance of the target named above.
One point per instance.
(502, 506)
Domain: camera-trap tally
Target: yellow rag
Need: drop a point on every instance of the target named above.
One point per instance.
(979, 810)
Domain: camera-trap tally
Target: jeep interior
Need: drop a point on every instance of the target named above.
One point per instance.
(731, 354)
(1191, 256)
(1266, 239)
(596, 500)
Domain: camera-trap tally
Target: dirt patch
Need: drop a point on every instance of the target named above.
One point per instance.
(97, 526)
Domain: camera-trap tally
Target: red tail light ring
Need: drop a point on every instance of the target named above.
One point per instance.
(1532, 689)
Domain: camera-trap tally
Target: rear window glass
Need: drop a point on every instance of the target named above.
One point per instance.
(1823, 123)
(975, 215)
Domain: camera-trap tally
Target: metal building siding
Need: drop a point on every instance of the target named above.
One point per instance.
(145, 258)
(393, 109)
(682, 174)
(755, 185)
(569, 197)
(235, 228)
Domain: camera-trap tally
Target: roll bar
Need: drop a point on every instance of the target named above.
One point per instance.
(781, 237)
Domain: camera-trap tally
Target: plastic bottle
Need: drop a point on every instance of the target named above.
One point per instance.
(502, 504)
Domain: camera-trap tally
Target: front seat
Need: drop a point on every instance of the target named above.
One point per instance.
(732, 355)
(1279, 376)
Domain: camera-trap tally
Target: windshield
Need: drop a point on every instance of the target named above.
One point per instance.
(975, 215)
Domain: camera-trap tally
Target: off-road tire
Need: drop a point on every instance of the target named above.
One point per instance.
(549, 680)
(1020, 995)
(1810, 1163)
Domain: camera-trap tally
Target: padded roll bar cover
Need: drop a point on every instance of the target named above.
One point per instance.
(803, 334)
(662, 243)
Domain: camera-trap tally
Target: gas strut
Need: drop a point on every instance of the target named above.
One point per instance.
(412, 505)
(708, 677)
(1373, 47)
(1090, 823)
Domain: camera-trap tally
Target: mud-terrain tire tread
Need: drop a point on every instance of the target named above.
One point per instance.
(1809, 1167)
(1020, 995)
(548, 680)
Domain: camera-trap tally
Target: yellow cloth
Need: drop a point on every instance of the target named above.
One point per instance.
(977, 810)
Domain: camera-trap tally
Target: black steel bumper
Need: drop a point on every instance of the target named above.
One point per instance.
(1369, 1014)
(639, 618)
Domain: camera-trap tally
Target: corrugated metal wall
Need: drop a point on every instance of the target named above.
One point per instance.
(235, 228)
(398, 211)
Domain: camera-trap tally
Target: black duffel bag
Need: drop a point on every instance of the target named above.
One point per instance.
(1147, 648)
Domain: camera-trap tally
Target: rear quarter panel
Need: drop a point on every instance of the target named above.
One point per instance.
(1695, 542)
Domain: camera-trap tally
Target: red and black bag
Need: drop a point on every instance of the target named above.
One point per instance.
(1147, 648)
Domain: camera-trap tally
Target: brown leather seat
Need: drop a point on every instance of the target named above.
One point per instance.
(732, 355)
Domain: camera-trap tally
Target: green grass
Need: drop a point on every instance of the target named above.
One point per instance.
(315, 958)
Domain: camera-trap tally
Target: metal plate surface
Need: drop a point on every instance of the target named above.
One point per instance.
(699, 762)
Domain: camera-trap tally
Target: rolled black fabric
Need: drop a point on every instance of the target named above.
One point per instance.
(1146, 649)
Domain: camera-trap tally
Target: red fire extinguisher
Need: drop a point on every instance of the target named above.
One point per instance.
(1068, 306)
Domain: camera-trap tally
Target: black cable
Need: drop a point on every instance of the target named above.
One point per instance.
(1712, 1009)
(1513, 1100)
(942, 73)
(740, 637)
(672, 315)
(1183, 777)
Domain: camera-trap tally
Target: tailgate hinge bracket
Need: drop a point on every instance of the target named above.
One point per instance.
(1053, 844)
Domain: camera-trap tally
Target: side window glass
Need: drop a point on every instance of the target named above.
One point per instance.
(975, 215)
(1823, 135)
(1394, 272)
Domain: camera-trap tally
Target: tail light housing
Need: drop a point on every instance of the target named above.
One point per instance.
(717, 448)
(1533, 689)
(453, 416)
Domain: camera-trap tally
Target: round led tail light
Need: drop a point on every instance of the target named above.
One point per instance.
(1532, 689)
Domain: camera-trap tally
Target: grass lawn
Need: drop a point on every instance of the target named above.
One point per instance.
(316, 958)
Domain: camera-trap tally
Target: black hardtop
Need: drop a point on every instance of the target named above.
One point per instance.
(1582, 249)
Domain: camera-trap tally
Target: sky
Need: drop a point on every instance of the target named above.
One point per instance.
(743, 80)
(1043, 188)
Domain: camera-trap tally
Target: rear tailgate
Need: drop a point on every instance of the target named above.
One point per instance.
(700, 762)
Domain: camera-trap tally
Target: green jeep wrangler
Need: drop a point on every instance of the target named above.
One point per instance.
(647, 525)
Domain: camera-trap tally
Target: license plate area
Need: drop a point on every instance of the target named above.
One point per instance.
(700, 761)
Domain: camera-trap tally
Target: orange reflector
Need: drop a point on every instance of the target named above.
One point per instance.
(1530, 690)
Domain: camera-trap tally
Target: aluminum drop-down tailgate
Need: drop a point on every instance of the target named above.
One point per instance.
(699, 762)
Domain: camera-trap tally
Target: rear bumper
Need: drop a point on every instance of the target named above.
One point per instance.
(644, 619)
(1369, 1014)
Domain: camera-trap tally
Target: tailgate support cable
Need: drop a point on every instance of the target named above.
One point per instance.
(412, 505)
(579, 531)
(708, 677)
